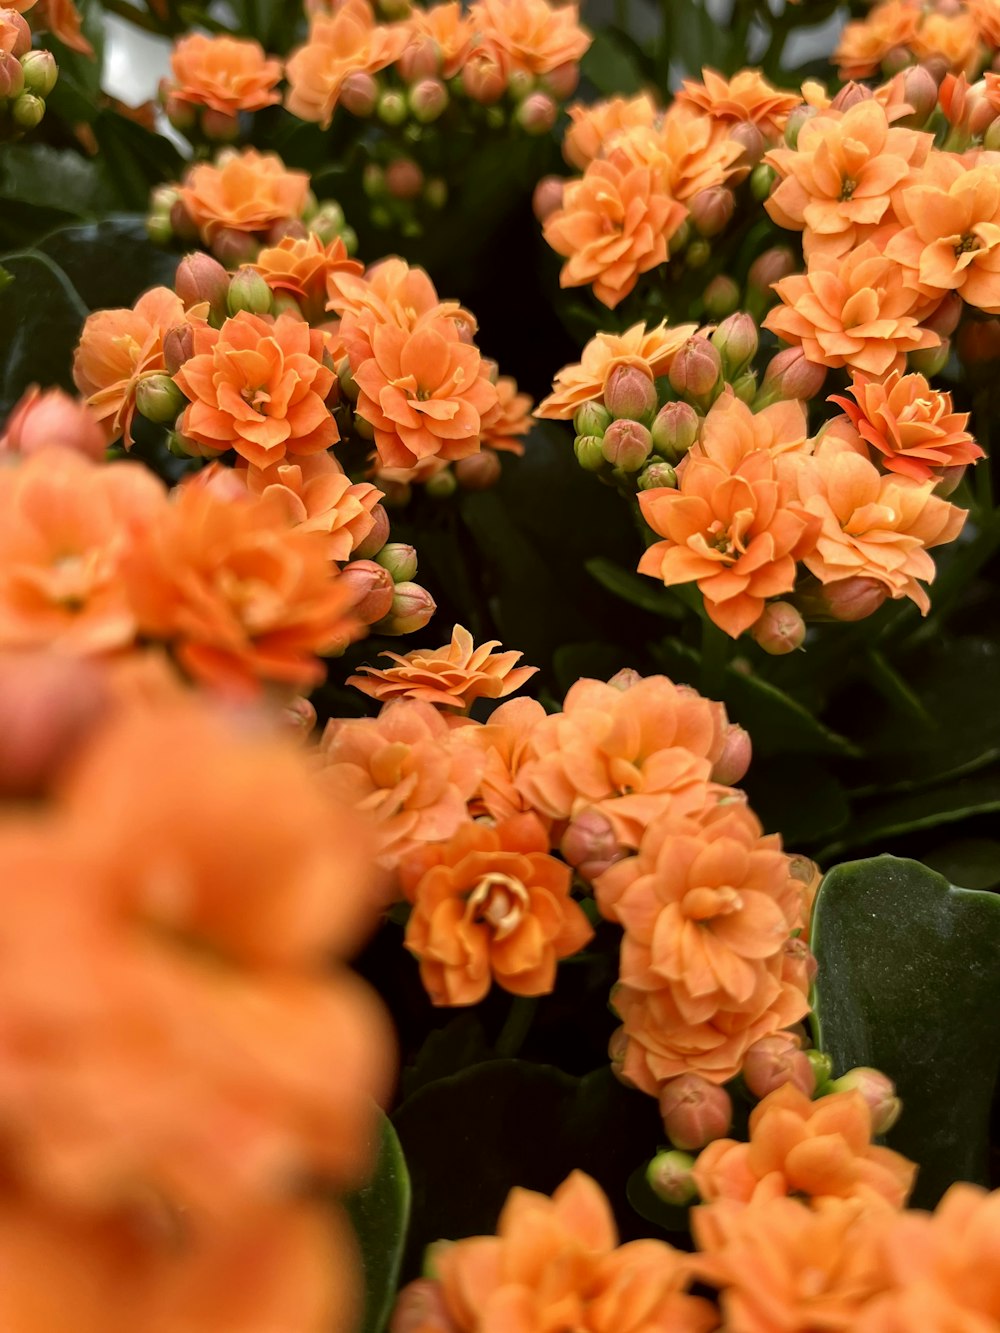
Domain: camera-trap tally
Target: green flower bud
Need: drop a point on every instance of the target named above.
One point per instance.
(762, 180)
(400, 560)
(589, 453)
(40, 72)
(657, 474)
(591, 419)
(249, 291)
(675, 430)
(392, 108)
(721, 297)
(27, 111)
(158, 398)
(698, 254)
(736, 340)
(669, 1176)
(442, 485)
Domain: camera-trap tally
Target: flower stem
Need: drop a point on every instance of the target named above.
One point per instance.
(516, 1026)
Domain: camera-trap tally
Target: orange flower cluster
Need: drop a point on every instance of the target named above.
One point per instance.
(218, 77)
(178, 1057)
(453, 676)
(59, 17)
(650, 351)
(946, 37)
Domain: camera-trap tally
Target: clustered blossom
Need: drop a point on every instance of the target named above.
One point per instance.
(948, 37)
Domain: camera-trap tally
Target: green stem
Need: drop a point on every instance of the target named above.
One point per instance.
(516, 1026)
(137, 17)
(715, 649)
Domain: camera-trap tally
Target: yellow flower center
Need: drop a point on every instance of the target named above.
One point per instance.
(499, 901)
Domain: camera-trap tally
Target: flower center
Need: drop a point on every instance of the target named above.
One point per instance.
(498, 901)
(255, 398)
(719, 538)
(703, 904)
(847, 188)
(967, 245)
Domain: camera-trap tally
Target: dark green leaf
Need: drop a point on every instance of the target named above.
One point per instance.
(54, 179)
(970, 863)
(666, 1216)
(908, 983)
(111, 262)
(801, 799)
(637, 589)
(380, 1214)
(610, 67)
(40, 320)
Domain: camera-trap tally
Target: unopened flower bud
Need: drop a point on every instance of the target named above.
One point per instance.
(696, 371)
(774, 1061)
(694, 1111)
(791, 375)
(625, 679)
(483, 76)
(11, 76)
(178, 347)
(182, 115)
(49, 706)
(328, 222)
(371, 546)
(537, 113)
(359, 94)
(590, 844)
(420, 60)
(736, 341)
(669, 1176)
(158, 398)
(428, 100)
(850, 95)
(40, 72)
(392, 108)
(249, 291)
(183, 224)
(220, 126)
(478, 472)
(680, 239)
(737, 751)
(562, 81)
(721, 296)
(591, 419)
(711, 210)
(675, 430)
(852, 599)
(520, 82)
(200, 278)
(745, 387)
(286, 229)
(299, 718)
(921, 93)
(780, 629)
(548, 196)
(983, 116)
(412, 607)
(233, 248)
(373, 589)
(930, 361)
(630, 392)
(420, 1308)
(750, 139)
(762, 180)
(442, 484)
(770, 267)
(589, 450)
(627, 444)
(951, 479)
(27, 111)
(400, 560)
(657, 474)
(795, 121)
(404, 179)
(879, 1092)
(822, 1067)
(18, 25)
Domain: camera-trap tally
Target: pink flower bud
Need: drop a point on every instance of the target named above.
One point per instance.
(625, 679)
(656, 475)
(233, 248)
(537, 113)
(694, 1111)
(590, 845)
(774, 1061)
(182, 224)
(412, 607)
(287, 229)
(40, 72)
(201, 278)
(48, 706)
(790, 375)
(220, 126)
(18, 32)
(420, 1308)
(770, 267)
(428, 100)
(855, 598)
(669, 1176)
(850, 95)
(879, 1092)
(618, 1052)
(11, 76)
(921, 93)
(420, 60)
(373, 588)
(737, 751)
(359, 94)
(627, 444)
(561, 82)
(548, 196)
(39, 419)
(629, 392)
(483, 76)
(696, 371)
(158, 398)
(373, 544)
(750, 139)
(178, 347)
(249, 291)
(404, 179)
(675, 430)
(982, 116)
(736, 341)
(721, 296)
(710, 210)
(400, 560)
(299, 717)
(780, 629)
(478, 472)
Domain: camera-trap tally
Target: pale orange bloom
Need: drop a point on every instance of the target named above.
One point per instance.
(798, 1146)
(731, 430)
(247, 191)
(259, 386)
(405, 770)
(449, 28)
(453, 676)
(596, 127)
(953, 38)
(735, 531)
(987, 16)
(390, 292)
(628, 752)
(349, 41)
(68, 528)
(505, 744)
(226, 74)
(942, 1268)
(62, 19)
(554, 1264)
(746, 98)
(490, 905)
(698, 153)
(873, 525)
(424, 392)
(859, 311)
(836, 184)
(614, 225)
(535, 35)
(781, 1264)
(318, 497)
(650, 350)
(304, 268)
(865, 44)
(950, 237)
(510, 419)
(913, 427)
(39, 419)
(244, 598)
(117, 349)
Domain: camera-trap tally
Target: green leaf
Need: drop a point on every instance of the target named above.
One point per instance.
(112, 262)
(802, 800)
(637, 589)
(380, 1214)
(908, 983)
(971, 863)
(668, 1217)
(610, 68)
(40, 320)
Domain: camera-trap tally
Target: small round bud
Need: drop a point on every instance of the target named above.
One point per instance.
(412, 608)
(158, 398)
(220, 126)
(248, 291)
(420, 60)
(392, 108)
(991, 136)
(921, 93)
(200, 278)
(850, 95)
(49, 706)
(791, 375)
(328, 222)
(762, 180)
(794, 123)
(696, 371)
(400, 560)
(359, 94)
(40, 72)
(721, 296)
(178, 347)
(233, 248)
(780, 629)
(483, 77)
(11, 76)
(711, 210)
(591, 419)
(373, 181)
(428, 100)
(373, 588)
(404, 179)
(930, 361)
(589, 450)
(548, 196)
(27, 111)
(657, 474)
(159, 230)
(698, 254)
(520, 82)
(627, 444)
(286, 229)
(669, 1176)
(442, 484)
(879, 1092)
(770, 267)
(436, 193)
(853, 599)
(733, 763)
(675, 430)
(774, 1061)
(736, 341)
(184, 226)
(537, 113)
(629, 392)
(348, 384)
(694, 1111)
(478, 472)
(590, 844)
(680, 239)
(750, 139)
(562, 81)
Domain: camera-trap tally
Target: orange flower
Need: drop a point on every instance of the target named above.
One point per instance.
(596, 127)
(554, 1264)
(304, 268)
(858, 311)
(816, 1148)
(490, 905)
(318, 497)
(781, 1264)
(873, 525)
(950, 240)
(450, 677)
(836, 184)
(987, 16)
(505, 744)
(62, 19)
(746, 98)
(913, 427)
(390, 292)
(244, 598)
(247, 191)
(696, 151)
(226, 74)
(117, 349)
(730, 430)
(424, 392)
(348, 41)
(451, 31)
(511, 418)
(404, 769)
(258, 386)
(68, 528)
(650, 350)
(865, 44)
(952, 38)
(735, 531)
(613, 225)
(537, 36)
(39, 419)
(628, 752)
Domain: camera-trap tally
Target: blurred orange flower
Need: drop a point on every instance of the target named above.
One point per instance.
(246, 191)
(511, 418)
(952, 38)
(453, 676)
(226, 74)
(349, 41)
(865, 44)
(537, 36)
(695, 151)
(745, 98)
(63, 20)
(303, 268)
(449, 28)
(318, 497)
(987, 16)
(39, 419)
(651, 350)
(596, 126)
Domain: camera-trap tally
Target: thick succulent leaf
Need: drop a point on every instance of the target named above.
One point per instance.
(380, 1213)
